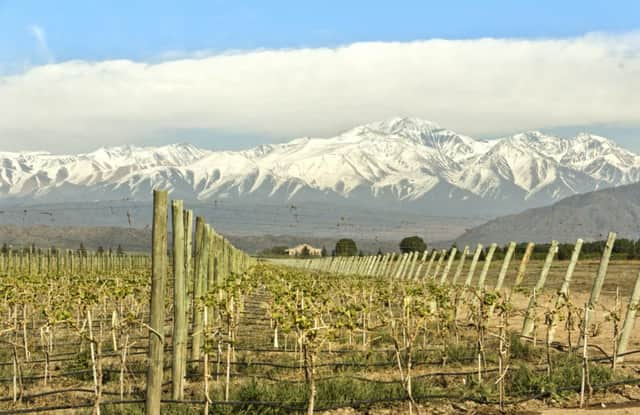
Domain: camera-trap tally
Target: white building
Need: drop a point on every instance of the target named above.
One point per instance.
(297, 250)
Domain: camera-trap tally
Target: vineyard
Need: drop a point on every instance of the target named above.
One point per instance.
(201, 327)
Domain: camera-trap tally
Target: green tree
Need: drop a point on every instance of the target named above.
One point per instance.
(120, 251)
(346, 247)
(565, 251)
(100, 250)
(304, 253)
(323, 253)
(412, 244)
(5, 248)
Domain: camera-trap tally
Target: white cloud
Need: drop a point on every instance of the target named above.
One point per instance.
(479, 87)
(40, 36)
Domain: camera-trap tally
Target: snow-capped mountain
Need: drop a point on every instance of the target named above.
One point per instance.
(402, 161)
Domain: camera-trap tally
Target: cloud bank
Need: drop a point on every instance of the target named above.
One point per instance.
(479, 87)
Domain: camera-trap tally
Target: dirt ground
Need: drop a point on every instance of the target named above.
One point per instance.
(618, 285)
(533, 408)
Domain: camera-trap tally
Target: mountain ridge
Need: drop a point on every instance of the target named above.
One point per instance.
(404, 161)
(589, 216)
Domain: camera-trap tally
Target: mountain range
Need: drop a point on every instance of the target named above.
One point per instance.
(402, 162)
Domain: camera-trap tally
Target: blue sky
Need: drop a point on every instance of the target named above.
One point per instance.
(49, 34)
(147, 30)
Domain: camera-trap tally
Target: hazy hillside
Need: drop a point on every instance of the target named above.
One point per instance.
(589, 216)
(139, 240)
(131, 239)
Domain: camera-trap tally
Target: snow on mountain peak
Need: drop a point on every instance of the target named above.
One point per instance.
(404, 158)
(412, 129)
(402, 126)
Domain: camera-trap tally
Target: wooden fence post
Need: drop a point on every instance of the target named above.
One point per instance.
(486, 265)
(409, 274)
(629, 319)
(503, 271)
(198, 290)
(463, 257)
(410, 258)
(188, 250)
(522, 269)
(430, 264)
(472, 267)
(383, 266)
(529, 317)
(178, 370)
(420, 265)
(447, 268)
(563, 293)
(400, 265)
(602, 273)
(389, 267)
(443, 253)
(505, 265)
(156, 318)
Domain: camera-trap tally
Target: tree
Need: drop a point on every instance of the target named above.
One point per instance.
(100, 250)
(120, 251)
(346, 247)
(5, 248)
(323, 253)
(304, 253)
(412, 244)
(564, 251)
(82, 250)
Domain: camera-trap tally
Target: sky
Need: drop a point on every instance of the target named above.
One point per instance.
(77, 75)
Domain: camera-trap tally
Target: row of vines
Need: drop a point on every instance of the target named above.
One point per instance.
(200, 327)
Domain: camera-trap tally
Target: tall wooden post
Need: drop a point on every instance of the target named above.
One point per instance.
(198, 290)
(188, 249)
(387, 266)
(412, 267)
(472, 267)
(447, 268)
(486, 265)
(178, 368)
(564, 289)
(629, 319)
(523, 264)
(443, 253)
(421, 264)
(602, 272)
(529, 317)
(463, 256)
(505, 265)
(400, 266)
(430, 264)
(156, 318)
